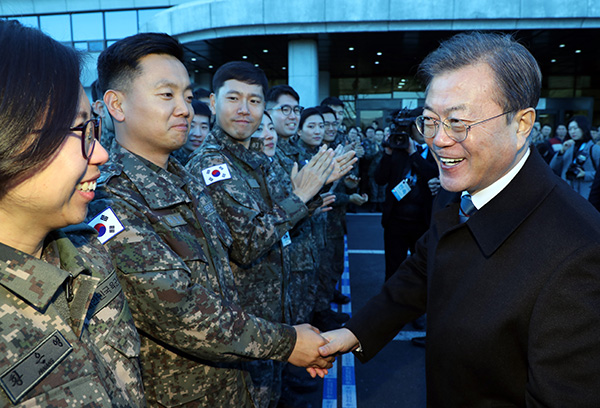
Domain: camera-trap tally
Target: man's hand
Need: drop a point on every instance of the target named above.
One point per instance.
(566, 145)
(351, 181)
(308, 181)
(306, 351)
(343, 164)
(358, 199)
(340, 341)
(359, 150)
(328, 199)
(434, 185)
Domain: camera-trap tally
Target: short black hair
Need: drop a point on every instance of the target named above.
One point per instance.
(96, 92)
(306, 113)
(332, 101)
(279, 90)
(516, 72)
(201, 93)
(240, 71)
(39, 95)
(119, 64)
(325, 109)
(200, 108)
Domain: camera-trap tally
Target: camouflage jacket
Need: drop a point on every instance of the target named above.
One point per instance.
(257, 221)
(287, 153)
(318, 221)
(59, 353)
(172, 261)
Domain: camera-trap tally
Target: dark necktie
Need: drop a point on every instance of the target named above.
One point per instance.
(467, 208)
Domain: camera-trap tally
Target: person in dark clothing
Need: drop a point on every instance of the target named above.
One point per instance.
(406, 213)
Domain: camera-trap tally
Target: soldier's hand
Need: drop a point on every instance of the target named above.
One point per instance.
(306, 351)
(343, 164)
(328, 199)
(308, 181)
(351, 181)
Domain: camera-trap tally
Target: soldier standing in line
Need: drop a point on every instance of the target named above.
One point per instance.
(235, 177)
(169, 244)
(67, 338)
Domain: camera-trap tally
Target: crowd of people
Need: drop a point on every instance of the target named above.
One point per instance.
(158, 250)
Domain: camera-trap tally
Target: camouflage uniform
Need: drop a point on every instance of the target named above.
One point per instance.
(257, 223)
(182, 154)
(60, 353)
(173, 264)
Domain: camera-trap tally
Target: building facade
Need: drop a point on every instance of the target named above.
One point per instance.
(366, 52)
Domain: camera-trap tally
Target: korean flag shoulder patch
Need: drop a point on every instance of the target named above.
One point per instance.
(216, 173)
(107, 224)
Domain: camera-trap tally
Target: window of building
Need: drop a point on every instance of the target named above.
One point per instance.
(120, 24)
(87, 26)
(57, 26)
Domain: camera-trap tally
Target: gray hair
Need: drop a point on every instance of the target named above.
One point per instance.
(517, 74)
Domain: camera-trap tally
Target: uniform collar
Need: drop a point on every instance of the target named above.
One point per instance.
(249, 157)
(159, 187)
(37, 280)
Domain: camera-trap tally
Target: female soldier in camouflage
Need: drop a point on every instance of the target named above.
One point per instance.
(66, 334)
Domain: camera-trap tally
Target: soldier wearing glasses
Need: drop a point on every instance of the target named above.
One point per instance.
(509, 278)
(67, 337)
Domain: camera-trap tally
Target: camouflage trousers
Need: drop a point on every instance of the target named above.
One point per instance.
(266, 382)
(330, 272)
(302, 291)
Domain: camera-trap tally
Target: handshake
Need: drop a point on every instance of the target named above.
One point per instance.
(316, 351)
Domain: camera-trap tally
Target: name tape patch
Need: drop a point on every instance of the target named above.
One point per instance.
(31, 369)
(105, 292)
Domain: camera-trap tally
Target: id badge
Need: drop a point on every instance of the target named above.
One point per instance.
(401, 190)
(286, 239)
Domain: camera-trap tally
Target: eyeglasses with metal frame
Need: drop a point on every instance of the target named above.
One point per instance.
(455, 129)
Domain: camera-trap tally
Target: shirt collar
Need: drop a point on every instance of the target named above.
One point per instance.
(487, 194)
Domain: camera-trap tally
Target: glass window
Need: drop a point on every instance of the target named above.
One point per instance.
(81, 46)
(29, 21)
(120, 24)
(145, 15)
(96, 46)
(57, 26)
(87, 26)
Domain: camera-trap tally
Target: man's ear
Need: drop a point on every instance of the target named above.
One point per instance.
(113, 101)
(98, 108)
(526, 119)
(213, 101)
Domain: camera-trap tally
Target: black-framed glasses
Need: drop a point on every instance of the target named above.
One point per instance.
(287, 109)
(90, 133)
(455, 129)
(331, 124)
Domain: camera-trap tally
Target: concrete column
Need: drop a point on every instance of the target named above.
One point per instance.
(303, 70)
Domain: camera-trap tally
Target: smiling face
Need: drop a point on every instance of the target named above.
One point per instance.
(266, 132)
(58, 194)
(238, 108)
(285, 125)
(312, 130)
(199, 129)
(492, 148)
(153, 115)
(331, 126)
